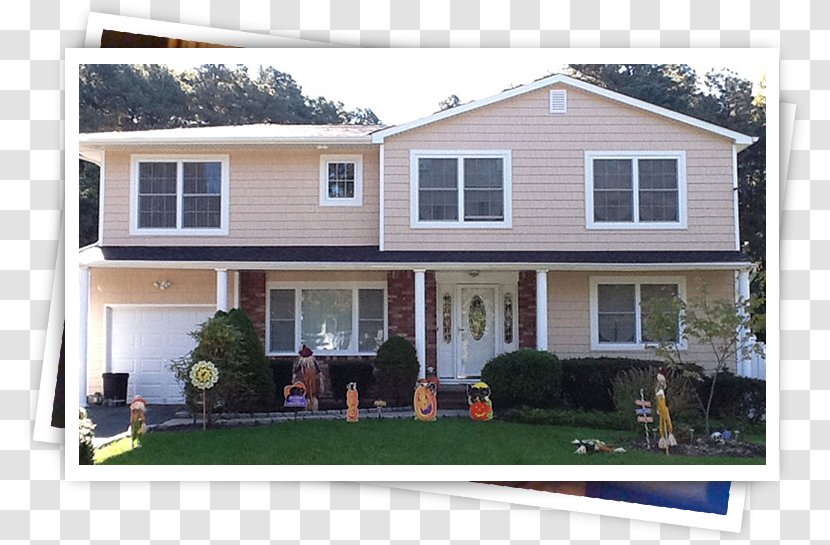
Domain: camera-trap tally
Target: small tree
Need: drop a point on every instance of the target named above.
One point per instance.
(724, 326)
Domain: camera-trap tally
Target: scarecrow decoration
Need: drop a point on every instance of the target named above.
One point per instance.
(308, 372)
(138, 421)
(425, 401)
(478, 397)
(203, 376)
(666, 431)
(351, 402)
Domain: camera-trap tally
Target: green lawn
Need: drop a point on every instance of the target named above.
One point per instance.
(447, 441)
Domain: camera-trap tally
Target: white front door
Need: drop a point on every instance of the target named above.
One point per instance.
(477, 326)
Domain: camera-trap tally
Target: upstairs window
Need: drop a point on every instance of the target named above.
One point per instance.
(173, 195)
(642, 190)
(341, 180)
(460, 189)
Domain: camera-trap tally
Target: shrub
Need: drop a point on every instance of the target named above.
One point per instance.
(220, 342)
(282, 372)
(86, 432)
(736, 398)
(626, 386)
(396, 370)
(258, 375)
(361, 372)
(586, 382)
(568, 417)
(524, 377)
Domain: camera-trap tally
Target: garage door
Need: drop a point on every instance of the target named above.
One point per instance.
(143, 340)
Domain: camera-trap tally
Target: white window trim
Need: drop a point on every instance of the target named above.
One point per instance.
(681, 222)
(357, 200)
(298, 287)
(178, 230)
(507, 193)
(637, 281)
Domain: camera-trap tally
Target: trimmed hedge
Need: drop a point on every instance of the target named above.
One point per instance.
(568, 417)
(396, 371)
(736, 398)
(282, 371)
(344, 372)
(586, 382)
(259, 376)
(524, 377)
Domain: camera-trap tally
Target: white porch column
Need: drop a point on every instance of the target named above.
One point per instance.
(542, 309)
(742, 295)
(83, 317)
(235, 289)
(420, 321)
(222, 289)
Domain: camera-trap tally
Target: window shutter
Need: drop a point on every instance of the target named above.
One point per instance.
(558, 101)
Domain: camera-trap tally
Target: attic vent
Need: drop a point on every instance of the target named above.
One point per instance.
(558, 101)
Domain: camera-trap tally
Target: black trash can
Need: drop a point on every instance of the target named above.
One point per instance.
(115, 388)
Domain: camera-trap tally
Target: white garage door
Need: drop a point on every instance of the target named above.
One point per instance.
(143, 340)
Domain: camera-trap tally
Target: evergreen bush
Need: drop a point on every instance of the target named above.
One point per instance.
(524, 377)
(396, 371)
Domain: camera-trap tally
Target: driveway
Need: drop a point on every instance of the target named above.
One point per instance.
(111, 421)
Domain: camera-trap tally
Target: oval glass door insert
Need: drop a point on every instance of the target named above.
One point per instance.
(478, 317)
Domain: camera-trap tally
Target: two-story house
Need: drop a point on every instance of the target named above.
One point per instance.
(540, 217)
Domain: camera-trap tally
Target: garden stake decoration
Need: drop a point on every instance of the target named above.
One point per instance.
(204, 376)
(478, 397)
(379, 404)
(643, 412)
(425, 402)
(352, 401)
(138, 421)
(666, 431)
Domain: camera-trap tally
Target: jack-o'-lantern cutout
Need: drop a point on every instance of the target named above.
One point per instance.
(351, 402)
(294, 395)
(425, 402)
(478, 397)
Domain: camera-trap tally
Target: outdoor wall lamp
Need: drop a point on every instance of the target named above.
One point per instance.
(162, 284)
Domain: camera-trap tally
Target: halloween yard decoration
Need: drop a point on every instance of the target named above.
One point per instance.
(203, 376)
(379, 404)
(138, 421)
(425, 402)
(308, 372)
(590, 446)
(294, 395)
(478, 397)
(666, 430)
(643, 412)
(352, 401)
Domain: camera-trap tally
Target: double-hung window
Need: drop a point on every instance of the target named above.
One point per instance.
(460, 189)
(635, 190)
(341, 180)
(619, 307)
(180, 195)
(331, 319)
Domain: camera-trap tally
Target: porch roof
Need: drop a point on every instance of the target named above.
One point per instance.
(297, 257)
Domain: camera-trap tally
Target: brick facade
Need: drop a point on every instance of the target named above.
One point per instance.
(252, 299)
(400, 293)
(527, 309)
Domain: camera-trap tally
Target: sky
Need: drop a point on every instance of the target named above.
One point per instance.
(402, 85)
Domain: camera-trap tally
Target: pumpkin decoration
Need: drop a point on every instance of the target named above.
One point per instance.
(478, 397)
(351, 402)
(425, 402)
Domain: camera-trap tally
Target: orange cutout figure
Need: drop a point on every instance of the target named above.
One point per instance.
(425, 402)
(351, 402)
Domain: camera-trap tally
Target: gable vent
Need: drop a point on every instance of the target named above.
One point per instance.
(558, 101)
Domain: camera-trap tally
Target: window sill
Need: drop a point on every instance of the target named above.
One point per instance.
(627, 347)
(179, 232)
(460, 225)
(611, 226)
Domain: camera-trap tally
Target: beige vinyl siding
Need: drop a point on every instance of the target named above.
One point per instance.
(548, 180)
(135, 287)
(274, 199)
(569, 315)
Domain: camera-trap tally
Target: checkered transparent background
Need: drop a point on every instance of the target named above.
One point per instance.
(36, 505)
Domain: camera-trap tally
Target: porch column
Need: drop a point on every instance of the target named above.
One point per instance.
(743, 364)
(235, 289)
(83, 320)
(420, 321)
(542, 309)
(222, 289)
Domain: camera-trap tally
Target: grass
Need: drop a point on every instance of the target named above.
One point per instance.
(447, 441)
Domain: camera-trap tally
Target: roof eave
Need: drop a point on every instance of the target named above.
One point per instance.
(97, 144)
